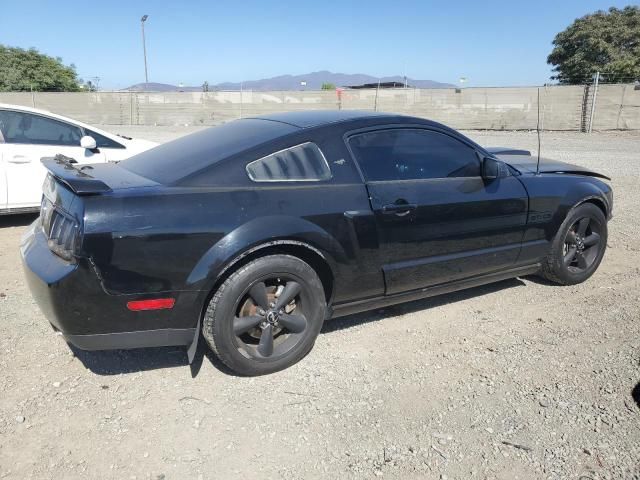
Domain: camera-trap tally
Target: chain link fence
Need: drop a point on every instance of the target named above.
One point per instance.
(561, 107)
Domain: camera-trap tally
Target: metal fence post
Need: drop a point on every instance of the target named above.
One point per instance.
(593, 103)
(375, 102)
(131, 108)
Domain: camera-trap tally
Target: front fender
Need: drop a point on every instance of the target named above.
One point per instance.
(258, 233)
(583, 191)
(551, 198)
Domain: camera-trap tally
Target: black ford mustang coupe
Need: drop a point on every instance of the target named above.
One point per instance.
(256, 231)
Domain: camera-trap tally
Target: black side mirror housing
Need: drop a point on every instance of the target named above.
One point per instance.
(491, 168)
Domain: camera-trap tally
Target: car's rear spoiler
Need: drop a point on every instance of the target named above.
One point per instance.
(67, 171)
(507, 151)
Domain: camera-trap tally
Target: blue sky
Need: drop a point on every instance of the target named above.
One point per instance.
(492, 43)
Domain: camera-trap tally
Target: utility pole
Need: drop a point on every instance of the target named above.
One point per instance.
(593, 102)
(144, 49)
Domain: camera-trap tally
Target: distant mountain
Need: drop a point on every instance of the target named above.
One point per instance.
(160, 87)
(314, 81)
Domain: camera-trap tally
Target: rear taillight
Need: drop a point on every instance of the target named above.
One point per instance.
(62, 230)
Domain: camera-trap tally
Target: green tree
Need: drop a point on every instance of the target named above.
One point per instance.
(24, 70)
(328, 86)
(88, 86)
(607, 42)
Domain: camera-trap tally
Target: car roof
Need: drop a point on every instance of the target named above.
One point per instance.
(316, 118)
(174, 161)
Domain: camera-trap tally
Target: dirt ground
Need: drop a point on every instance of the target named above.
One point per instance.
(520, 379)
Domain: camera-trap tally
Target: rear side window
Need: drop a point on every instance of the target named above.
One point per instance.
(174, 161)
(302, 163)
(27, 128)
(412, 154)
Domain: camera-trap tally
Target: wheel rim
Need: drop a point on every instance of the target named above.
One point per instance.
(270, 318)
(582, 245)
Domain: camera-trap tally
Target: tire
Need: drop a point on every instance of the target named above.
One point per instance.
(265, 316)
(578, 247)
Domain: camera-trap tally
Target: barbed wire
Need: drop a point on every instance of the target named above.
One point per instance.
(607, 77)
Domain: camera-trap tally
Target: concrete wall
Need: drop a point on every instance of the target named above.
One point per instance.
(617, 107)
(562, 107)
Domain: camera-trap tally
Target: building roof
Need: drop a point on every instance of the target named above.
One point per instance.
(380, 85)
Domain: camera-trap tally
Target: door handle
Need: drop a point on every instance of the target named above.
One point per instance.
(19, 159)
(399, 209)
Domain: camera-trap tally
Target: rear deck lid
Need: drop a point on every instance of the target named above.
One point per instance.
(93, 179)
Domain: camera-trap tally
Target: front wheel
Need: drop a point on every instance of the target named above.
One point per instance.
(578, 247)
(266, 316)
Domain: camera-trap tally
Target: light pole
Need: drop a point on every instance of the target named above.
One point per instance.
(144, 49)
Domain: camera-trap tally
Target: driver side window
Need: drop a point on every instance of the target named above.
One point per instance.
(413, 154)
(26, 128)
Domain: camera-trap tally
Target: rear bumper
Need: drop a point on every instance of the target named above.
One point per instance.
(71, 297)
(46, 274)
(123, 340)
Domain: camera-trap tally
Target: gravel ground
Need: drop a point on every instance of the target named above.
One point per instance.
(519, 379)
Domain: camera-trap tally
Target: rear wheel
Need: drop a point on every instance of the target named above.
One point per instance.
(266, 316)
(578, 247)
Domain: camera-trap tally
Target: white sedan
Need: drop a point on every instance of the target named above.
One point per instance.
(27, 135)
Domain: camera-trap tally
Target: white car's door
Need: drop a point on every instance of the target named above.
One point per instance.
(3, 178)
(29, 137)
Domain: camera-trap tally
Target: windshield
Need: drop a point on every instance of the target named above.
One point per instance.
(173, 161)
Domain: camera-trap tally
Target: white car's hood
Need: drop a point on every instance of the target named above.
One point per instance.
(137, 145)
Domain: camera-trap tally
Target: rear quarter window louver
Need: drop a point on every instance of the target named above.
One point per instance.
(301, 163)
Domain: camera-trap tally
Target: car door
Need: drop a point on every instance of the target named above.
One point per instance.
(29, 137)
(3, 177)
(438, 220)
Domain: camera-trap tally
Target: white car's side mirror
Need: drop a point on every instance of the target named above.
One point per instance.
(88, 142)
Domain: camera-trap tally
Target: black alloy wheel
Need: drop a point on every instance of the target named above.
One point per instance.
(581, 244)
(266, 315)
(270, 318)
(578, 246)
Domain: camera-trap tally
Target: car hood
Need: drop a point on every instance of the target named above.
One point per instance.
(526, 165)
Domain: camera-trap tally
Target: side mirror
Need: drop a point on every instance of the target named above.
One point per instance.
(88, 142)
(490, 168)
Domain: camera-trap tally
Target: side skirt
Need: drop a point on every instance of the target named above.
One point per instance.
(379, 302)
